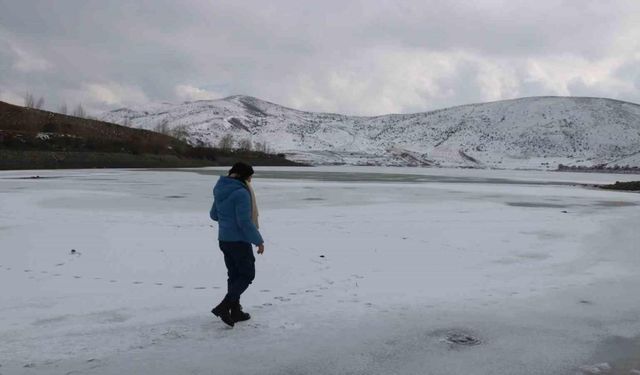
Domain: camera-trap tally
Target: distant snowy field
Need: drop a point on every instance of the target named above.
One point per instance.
(366, 271)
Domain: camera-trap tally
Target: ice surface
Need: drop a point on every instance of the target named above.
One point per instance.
(366, 271)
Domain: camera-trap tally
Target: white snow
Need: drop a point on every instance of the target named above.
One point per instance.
(366, 271)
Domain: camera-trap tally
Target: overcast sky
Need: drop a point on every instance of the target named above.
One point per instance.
(364, 57)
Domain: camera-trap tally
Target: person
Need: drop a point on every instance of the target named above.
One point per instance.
(235, 209)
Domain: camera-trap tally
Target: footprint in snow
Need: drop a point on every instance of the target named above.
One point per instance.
(289, 326)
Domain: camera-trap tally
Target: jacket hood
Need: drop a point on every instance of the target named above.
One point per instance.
(225, 187)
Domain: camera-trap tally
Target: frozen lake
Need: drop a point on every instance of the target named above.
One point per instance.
(366, 271)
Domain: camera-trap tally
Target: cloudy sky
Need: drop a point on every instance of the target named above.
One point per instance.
(363, 57)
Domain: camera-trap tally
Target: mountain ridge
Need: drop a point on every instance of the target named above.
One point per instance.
(532, 132)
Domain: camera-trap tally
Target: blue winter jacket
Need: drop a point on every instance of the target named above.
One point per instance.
(232, 210)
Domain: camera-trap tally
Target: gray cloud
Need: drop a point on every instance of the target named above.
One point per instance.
(358, 57)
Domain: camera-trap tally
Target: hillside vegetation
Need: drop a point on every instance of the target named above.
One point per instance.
(33, 139)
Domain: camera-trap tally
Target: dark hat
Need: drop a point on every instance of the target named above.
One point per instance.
(243, 170)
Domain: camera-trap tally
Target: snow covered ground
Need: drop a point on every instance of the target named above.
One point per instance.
(366, 271)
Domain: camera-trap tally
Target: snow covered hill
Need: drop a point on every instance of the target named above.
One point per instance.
(538, 132)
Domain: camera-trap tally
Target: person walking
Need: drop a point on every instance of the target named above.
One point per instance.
(236, 211)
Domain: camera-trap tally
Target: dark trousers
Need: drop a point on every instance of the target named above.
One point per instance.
(240, 262)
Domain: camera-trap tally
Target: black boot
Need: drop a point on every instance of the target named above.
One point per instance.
(223, 311)
(237, 314)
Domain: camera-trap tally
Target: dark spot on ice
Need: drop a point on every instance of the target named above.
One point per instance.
(535, 205)
(564, 212)
(175, 196)
(321, 256)
(313, 199)
(137, 282)
(200, 287)
(586, 302)
(73, 251)
(461, 338)
(178, 286)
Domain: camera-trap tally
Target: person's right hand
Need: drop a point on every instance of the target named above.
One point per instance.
(261, 248)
